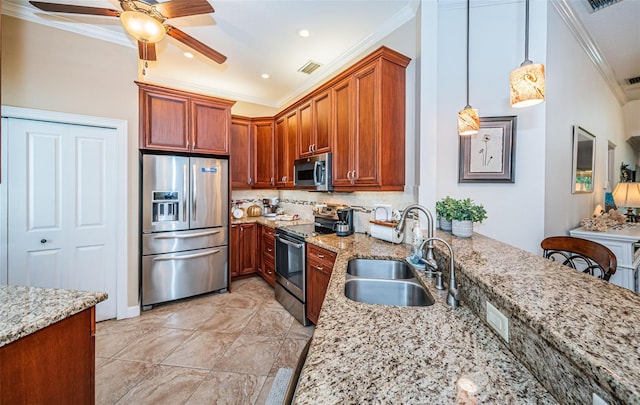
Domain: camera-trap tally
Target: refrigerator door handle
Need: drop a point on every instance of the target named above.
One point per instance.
(185, 185)
(194, 194)
(192, 235)
(182, 257)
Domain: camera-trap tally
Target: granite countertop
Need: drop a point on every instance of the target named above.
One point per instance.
(364, 353)
(26, 310)
(267, 221)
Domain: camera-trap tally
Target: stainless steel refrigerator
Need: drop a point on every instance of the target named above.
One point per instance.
(185, 227)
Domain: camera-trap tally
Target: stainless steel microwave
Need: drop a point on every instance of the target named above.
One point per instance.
(313, 173)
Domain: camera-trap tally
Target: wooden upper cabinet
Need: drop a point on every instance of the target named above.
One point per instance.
(241, 154)
(374, 117)
(263, 153)
(342, 132)
(164, 121)
(178, 121)
(314, 120)
(286, 142)
(210, 126)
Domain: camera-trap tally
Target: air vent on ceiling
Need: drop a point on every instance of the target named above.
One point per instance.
(600, 4)
(309, 67)
(634, 80)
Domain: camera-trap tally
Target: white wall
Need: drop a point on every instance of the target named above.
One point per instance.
(577, 95)
(515, 211)
(49, 69)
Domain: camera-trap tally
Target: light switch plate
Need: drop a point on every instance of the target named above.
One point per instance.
(498, 321)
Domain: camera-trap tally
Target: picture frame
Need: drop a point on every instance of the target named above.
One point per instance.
(583, 161)
(489, 155)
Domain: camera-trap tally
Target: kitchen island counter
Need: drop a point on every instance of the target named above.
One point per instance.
(363, 353)
(26, 310)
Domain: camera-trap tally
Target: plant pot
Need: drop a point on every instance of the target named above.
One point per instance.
(445, 224)
(463, 229)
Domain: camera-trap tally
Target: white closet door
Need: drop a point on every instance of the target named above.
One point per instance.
(61, 208)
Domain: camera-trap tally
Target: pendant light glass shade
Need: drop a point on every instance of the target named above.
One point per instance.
(468, 121)
(527, 81)
(142, 27)
(527, 85)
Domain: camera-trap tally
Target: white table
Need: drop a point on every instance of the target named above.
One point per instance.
(625, 244)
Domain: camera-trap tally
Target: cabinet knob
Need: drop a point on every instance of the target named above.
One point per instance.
(43, 241)
(321, 256)
(249, 180)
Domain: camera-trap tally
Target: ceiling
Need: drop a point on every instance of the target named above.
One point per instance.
(261, 37)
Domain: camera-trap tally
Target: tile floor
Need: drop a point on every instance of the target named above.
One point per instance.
(214, 349)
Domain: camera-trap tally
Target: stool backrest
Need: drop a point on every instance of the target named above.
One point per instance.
(581, 254)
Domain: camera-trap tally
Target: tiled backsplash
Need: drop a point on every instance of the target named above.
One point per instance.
(302, 202)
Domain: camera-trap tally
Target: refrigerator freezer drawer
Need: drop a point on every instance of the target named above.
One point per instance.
(179, 275)
(168, 242)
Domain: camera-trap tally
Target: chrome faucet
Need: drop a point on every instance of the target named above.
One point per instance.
(453, 296)
(428, 259)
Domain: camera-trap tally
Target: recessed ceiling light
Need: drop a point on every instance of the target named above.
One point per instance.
(265, 76)
(188, 55)
(304, 33)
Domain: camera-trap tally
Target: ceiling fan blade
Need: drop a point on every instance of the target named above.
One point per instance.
(183, 8)
(67, 8)
(146, 51)
(195, 44)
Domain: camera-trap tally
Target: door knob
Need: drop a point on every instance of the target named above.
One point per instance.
(43, 241)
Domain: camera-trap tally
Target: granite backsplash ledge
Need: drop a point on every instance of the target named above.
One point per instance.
(577, 334)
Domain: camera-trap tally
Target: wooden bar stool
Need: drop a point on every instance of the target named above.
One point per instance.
(581, 254)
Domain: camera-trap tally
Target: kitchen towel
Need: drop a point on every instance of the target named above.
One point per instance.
(387, 233)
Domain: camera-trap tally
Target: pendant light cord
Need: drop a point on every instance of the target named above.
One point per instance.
(526, 32)
(468, 106)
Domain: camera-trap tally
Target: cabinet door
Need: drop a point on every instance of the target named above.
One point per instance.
(210, 124)
(305, 138)
(322, 123)
(365, 137)
(234, 251)
(247, 254)
(342, 132)
(240, 159)
(286, 143)
(164, 121)
(263, 154)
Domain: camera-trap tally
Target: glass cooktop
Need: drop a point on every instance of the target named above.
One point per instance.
(304, 230)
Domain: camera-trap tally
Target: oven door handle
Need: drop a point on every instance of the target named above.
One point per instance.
(293, 244)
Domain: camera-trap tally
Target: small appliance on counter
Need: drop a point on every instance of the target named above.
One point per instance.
(271, 206)
(344, 226)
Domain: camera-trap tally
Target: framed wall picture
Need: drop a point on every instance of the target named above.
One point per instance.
(489, 155)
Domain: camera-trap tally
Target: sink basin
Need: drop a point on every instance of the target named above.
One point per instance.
(387, 292)
(381, 269)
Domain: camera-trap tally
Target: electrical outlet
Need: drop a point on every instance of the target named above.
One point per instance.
(597, 400)
(498, 321)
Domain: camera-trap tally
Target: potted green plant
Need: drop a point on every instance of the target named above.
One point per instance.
(465, 214)
(445, 209)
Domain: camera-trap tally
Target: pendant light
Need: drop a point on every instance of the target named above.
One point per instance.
(527, 81)
(468, 121)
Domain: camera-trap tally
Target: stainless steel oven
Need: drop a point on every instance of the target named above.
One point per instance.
(291, 279)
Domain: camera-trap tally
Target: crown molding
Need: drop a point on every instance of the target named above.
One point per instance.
(589, 46)
(29, 13)
(327, 71)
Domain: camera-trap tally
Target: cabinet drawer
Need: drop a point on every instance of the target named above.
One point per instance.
(320, 256)
(268, 231)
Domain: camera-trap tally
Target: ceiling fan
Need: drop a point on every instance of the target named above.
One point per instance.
(145, 21)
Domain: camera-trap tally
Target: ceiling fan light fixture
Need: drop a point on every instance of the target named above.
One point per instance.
(142, 26)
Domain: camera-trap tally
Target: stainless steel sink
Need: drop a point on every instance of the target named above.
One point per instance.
(380, 269)
(387, 292)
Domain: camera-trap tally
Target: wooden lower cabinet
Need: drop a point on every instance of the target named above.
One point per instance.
(267, 266)
(319, 268)
(242, 248)
(55, 365)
